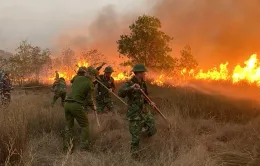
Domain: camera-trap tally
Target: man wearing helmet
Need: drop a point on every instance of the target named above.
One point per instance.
(103, 98)
(82, 88)
(140, 120)
(59, 87)
(81, 71)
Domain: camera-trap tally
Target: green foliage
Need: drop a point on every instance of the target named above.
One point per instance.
(68, 58)
(147, 44)
(187, 60)
(3, 62)
(93, 56)
(28, 61)
(127, 63)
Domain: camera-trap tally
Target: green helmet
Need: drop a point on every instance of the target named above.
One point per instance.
(108, 69)
(82, 70)
(92, 71)
(62, 78)
(139, 68)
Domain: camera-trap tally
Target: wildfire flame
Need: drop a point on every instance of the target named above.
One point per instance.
(214, 74)
(159, 81)
(120, 77)
(83, 63)
(249, 72)
(61, 74)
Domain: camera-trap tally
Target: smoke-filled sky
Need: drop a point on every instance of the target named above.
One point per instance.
(216, 30)
(40, 22)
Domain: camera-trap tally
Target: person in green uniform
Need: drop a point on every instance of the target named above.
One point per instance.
(59, 87)
(103, 97)
(140, 120)
(82, 89)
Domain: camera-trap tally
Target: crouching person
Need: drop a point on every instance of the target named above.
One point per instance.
(82, 88)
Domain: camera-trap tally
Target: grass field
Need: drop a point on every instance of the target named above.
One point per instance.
(208, 128)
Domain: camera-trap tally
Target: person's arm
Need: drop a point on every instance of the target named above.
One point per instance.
(125, 89)
(99, 67)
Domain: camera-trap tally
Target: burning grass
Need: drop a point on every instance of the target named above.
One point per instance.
(207, 129)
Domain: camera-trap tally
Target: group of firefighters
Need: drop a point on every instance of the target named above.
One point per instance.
(81, 98)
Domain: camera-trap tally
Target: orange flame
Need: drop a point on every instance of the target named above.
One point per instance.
(250, 73)
(82, 63)
(214, 74)
(121, 76)
(159, 81)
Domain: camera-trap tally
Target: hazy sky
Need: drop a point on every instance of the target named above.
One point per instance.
(217, 30)
(39, 21)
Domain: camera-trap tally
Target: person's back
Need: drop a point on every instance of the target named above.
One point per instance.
(60, 88)
(80, 89)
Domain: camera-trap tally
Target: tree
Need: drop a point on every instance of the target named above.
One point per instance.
(146, 44)
(3, 62)
(38, 59)
(92, 56)
(28, 61)
(187, 60)
(68, 58)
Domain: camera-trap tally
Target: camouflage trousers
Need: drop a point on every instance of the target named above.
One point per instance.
(76, 111)
(105, 102)
(6, 97)
(145, 126)
(58, 95)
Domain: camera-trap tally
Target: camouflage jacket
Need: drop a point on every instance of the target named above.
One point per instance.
(1, 82)
(108, 82)
(135, 99)
(82, 91)
(59, 86)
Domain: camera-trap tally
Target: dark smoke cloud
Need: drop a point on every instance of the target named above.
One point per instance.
(101, 34)
(217, 30)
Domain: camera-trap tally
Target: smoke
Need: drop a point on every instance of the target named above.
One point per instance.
(217, 31)
(101, 34)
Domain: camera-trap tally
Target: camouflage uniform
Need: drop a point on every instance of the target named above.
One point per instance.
(138, 117)
(1, 86)
(103, 98)
(82, 88)
(6, 90)
(59, 87)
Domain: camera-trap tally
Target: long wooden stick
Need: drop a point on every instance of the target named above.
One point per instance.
(109, 90)
(96, 115)
(155, 107)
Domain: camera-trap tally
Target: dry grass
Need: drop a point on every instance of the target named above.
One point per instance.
(206, 130)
